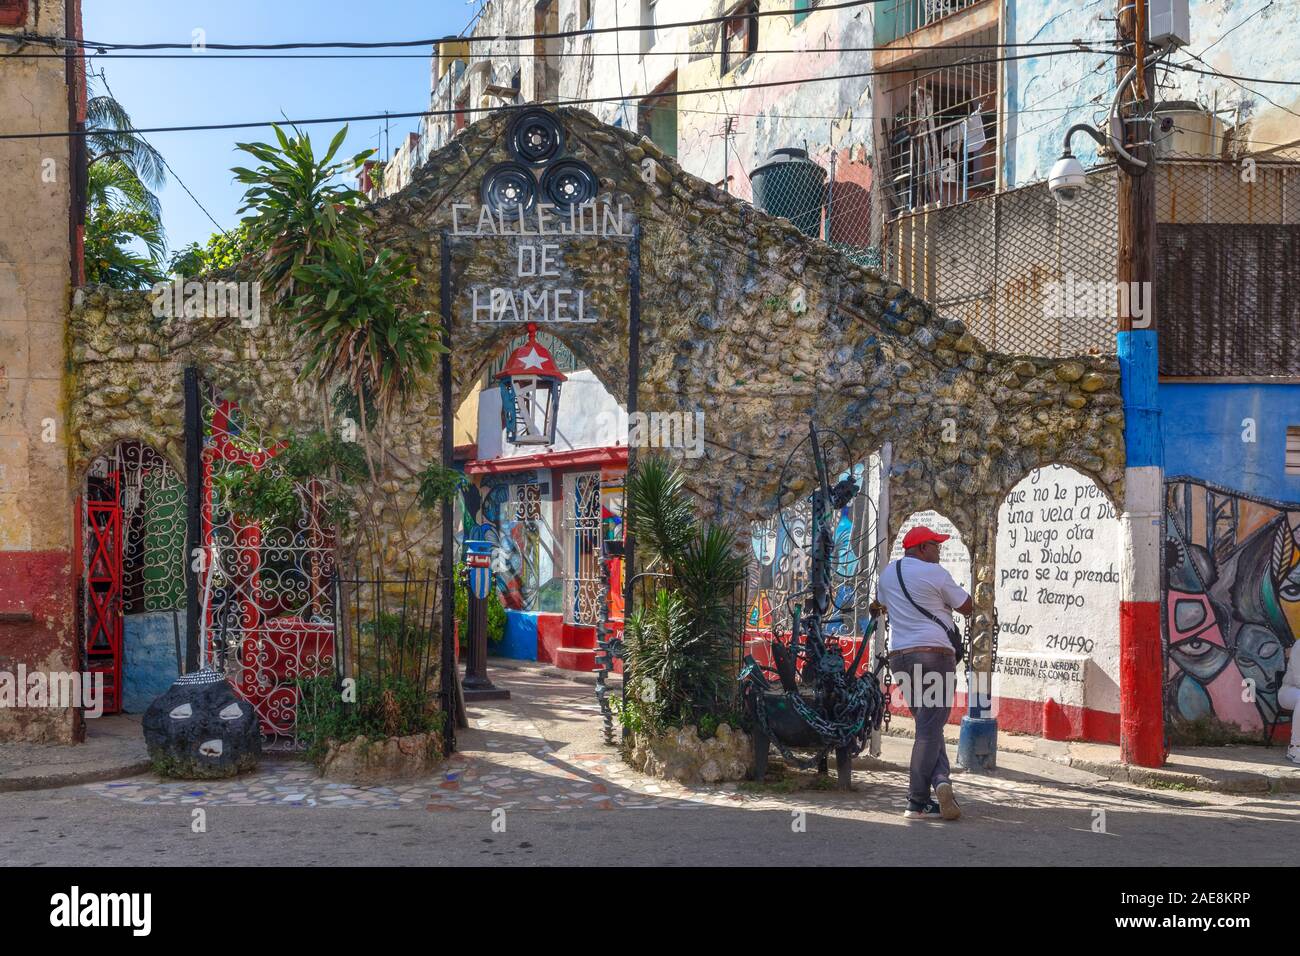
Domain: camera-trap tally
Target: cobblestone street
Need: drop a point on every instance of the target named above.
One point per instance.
(568, 799)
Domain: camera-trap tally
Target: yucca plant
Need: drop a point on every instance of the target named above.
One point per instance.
(682, 648)
(297, 205)
(353, 310)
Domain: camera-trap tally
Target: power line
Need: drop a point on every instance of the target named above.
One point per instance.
(433, 41)
(168, 166)
(1232, 76)
(413, 114)
(200, 55)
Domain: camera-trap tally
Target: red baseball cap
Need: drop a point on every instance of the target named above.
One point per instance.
(920, 535)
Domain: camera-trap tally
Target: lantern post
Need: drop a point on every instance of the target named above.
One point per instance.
(478, 571)
(530, 393)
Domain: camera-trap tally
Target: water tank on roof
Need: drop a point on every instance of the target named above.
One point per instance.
(792, 186)
(1186, 130)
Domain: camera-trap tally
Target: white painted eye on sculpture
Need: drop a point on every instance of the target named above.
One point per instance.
(231, 711)
(182, 712)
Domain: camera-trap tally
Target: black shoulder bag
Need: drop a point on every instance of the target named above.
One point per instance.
(953, 637)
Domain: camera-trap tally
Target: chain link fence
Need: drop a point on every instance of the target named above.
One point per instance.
(1008, 265)
(1030, 275)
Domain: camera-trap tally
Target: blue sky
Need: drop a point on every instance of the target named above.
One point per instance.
(190, 90)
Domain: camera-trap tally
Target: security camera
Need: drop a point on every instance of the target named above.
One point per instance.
(1067, 179)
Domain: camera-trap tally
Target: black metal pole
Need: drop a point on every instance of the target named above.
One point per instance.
(193, 515)
(633, 385)
(448, 448)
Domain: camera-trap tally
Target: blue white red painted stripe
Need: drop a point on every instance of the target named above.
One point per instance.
(1142, 725)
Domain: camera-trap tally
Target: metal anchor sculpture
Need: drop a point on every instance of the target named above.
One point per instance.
(821, 705)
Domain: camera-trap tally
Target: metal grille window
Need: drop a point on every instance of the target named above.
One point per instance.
(941, 142)
(1293, 450)
(740, 35)
(582, 542)
(897, 18)
(657, 116)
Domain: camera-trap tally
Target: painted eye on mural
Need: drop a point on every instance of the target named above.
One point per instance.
(182, 712)
(1260, 655)
(231, 711)
(1194, 647)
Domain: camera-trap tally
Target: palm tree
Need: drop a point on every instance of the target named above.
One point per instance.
(105, 141)
(120, 212)
(122, 209)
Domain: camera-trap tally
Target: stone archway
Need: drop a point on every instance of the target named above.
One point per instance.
(741, 317)
(747, 320)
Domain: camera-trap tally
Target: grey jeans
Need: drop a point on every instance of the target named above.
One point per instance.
(926, 679)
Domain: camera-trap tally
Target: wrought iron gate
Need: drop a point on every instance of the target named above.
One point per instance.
(268, 601)
(582, 533)
(133, 544)
(103, 586)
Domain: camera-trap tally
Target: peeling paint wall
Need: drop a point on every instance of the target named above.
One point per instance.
(37, 624)
(1045, 95)
(610, 68)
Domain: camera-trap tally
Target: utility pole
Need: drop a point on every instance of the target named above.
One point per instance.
(1142, 737)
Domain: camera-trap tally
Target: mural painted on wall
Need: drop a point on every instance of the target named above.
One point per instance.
(1231, 602)
(782, 561)
(511, 516)
(1058, 585)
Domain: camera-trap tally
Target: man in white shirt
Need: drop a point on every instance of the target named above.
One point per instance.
(920, 596)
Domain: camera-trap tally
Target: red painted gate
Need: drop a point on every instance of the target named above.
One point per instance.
(103, 648)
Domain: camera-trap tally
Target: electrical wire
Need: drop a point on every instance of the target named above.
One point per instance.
(168, 166)
(201, 55)
(433, 41)
(580, 101)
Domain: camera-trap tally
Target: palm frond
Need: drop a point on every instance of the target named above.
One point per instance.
(105, 121)
(662, 515)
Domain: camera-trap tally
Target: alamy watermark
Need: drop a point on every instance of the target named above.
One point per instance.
(1086, 299)
(55, 689)
(675, 431)
(179, 298)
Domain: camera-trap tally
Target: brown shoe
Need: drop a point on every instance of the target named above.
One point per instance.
(948, 806)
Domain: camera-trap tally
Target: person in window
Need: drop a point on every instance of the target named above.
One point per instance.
(920, 596)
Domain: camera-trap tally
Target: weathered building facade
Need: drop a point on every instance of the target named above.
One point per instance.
(39, 265)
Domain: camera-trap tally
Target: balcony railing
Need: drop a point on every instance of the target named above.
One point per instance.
(897, 18)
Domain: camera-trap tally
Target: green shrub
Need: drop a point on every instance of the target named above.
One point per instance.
(496, 614)
(682, 649)
(385, 707)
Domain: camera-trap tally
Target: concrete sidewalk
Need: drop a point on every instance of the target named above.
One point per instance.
(1230, 769)
(615, 681)
(114, 748)
(1233, 769)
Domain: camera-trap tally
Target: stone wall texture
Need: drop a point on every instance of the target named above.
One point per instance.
(722, 332)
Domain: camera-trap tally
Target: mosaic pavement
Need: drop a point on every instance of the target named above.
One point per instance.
(507, 762)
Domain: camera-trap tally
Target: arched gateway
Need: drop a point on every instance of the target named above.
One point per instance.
(680, 298)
